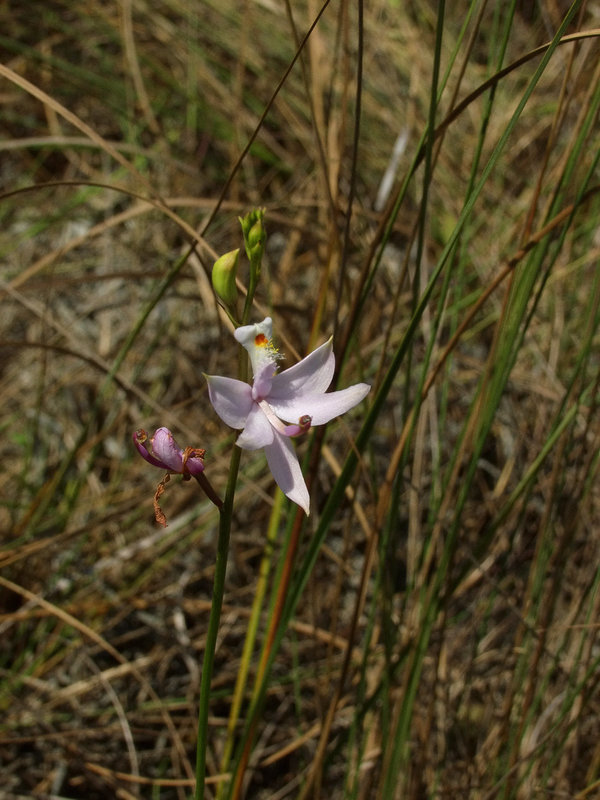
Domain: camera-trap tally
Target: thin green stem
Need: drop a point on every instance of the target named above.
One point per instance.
(213, 624)
(223, 542)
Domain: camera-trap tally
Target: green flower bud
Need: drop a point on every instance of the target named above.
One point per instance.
(255, 236)
(247, 222)
(223, 278)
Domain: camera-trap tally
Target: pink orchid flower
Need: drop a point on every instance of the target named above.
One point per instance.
(165, 453)
(162, 451)
(279, 406)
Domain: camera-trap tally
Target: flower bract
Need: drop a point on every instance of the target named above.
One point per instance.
(280, 405)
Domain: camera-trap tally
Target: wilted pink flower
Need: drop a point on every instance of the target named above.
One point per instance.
(165, 453)
(281, 405)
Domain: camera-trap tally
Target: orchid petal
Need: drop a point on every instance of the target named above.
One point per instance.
(320, 406)
(231, 399)
(284, 465)
(193, 464)
(258, 431)
(164, 447)
(313, 374)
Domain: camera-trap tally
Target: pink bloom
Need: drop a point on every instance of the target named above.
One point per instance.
(165, 453)
(162, 451)
(279, 406)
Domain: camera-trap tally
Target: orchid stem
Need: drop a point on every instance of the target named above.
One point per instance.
(208, 490)
(213, 624)
(254, 247)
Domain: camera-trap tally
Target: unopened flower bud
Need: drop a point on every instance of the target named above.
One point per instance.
(223, 278)
(255, 237)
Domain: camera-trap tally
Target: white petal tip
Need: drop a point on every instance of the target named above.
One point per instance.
(301, 499)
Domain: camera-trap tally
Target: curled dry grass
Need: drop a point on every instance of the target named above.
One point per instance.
(112, 164)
